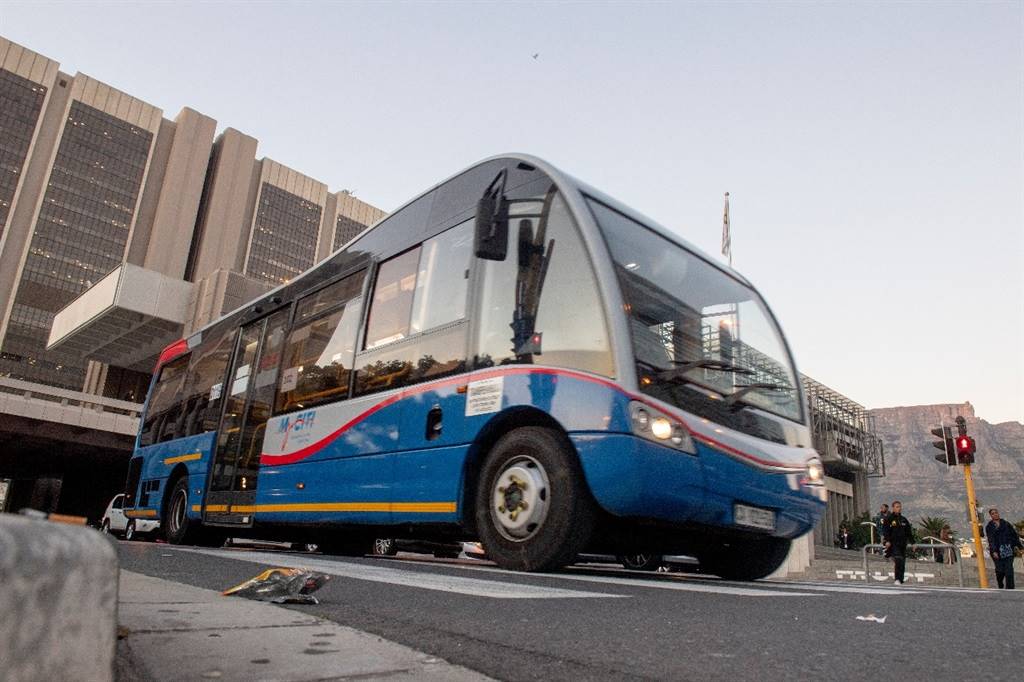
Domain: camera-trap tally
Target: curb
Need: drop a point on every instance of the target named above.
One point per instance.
(59, 600)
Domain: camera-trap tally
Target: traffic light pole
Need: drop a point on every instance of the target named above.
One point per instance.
(975, 530)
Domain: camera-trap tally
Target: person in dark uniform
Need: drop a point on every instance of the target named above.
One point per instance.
(879, 520)
(898, 533)
(1002, 540)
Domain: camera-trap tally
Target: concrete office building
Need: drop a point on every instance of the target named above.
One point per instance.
(121, 230)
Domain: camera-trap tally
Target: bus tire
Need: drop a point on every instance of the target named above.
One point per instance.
(746, 560)
(533, 510)
(175, 525)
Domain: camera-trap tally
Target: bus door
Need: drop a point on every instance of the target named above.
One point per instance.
(250, 386)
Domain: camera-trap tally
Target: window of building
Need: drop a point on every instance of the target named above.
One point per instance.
(319, 355)
(284, 237)
(80, 234)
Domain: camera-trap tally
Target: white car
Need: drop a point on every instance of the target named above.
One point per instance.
(115, 522)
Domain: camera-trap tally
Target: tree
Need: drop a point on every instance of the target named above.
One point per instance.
(861, 534)
(933, 525)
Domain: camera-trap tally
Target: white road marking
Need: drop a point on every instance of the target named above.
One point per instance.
(714, 587)
(844, 588)
(395, 576)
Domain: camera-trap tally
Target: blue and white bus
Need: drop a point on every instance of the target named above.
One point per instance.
(511, 357)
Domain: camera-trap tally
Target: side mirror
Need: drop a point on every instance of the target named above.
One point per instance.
(491, 238)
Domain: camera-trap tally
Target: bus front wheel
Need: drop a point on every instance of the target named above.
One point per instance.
(533, 509)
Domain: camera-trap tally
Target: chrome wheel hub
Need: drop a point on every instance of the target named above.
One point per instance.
(178, 510)
(519, 498)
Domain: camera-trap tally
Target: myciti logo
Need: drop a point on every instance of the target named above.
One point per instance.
(295, 425)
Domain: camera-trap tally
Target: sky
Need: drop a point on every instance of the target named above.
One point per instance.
(873, 152)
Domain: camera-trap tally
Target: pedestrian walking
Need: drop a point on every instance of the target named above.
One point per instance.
(898, 533)
(949, 553)
(879, 521)
(843, 539)
(1002, 540)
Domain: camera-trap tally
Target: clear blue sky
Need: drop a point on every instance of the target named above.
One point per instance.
(873, 151)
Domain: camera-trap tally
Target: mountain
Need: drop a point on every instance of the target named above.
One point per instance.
(929, 488)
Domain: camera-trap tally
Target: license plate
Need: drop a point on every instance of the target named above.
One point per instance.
(755, 517)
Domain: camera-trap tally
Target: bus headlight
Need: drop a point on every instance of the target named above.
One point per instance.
(815, 472)
(654, 426)
(661, 428)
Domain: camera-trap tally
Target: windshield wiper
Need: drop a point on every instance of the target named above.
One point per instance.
(743, 389)
(684, 366)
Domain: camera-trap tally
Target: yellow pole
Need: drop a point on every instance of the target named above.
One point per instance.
(982, 575)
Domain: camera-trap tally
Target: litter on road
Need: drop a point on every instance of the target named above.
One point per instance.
(873, 617)
(281, 586)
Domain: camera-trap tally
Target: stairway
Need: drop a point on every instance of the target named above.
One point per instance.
(846, 566)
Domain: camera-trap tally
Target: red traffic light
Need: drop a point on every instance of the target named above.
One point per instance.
(965, 449)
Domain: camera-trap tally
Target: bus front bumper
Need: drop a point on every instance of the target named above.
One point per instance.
(632, 477)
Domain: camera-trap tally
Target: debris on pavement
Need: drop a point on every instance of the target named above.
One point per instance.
(281, 586)
(873, 617)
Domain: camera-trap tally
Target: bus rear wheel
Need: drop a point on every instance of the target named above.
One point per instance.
(746, 560)
(177, 528)
(533, 509)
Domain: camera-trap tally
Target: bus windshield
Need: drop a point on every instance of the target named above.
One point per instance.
(703, 341)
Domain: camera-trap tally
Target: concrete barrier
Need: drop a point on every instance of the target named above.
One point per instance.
(58, 602)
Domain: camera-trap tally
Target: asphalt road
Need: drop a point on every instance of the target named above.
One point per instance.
(595, 622)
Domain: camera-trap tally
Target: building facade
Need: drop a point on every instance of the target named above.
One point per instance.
(122, 230)
(844, 435)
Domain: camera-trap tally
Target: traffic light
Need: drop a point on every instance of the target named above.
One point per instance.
(965, 449)
(961, 426)
(948, 456)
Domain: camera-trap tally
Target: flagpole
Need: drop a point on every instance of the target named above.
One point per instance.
(726, 232)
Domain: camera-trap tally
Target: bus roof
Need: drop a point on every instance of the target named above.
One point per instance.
(564, 181)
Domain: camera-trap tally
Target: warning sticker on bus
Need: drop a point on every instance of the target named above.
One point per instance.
(484, 396)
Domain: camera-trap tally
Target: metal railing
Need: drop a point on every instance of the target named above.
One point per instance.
(33, 391)
(938, 545)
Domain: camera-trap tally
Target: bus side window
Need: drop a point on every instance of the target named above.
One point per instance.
(166, 399)
(319, 354)
(392, 299)
(203, 387)
(426, 298)
(569, 325)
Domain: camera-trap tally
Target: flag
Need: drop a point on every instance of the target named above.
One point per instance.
(726, 237)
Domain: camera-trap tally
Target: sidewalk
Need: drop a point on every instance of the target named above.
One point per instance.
(172, 631)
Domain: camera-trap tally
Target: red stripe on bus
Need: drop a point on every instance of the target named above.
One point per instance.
(172, 351)
(269, 459)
